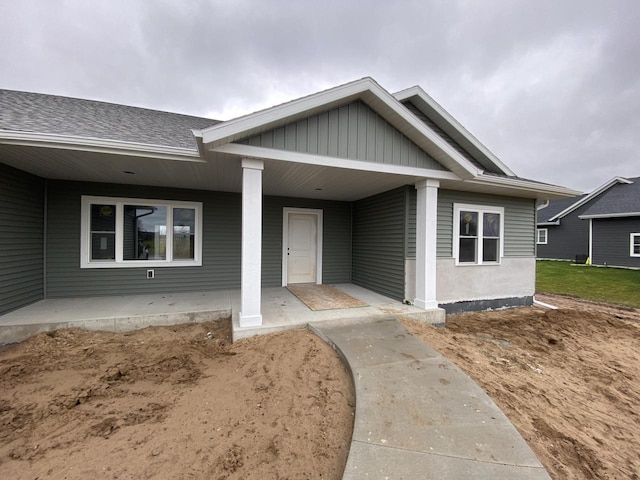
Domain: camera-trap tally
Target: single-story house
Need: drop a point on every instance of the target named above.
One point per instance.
(602, 226)
(348, 185)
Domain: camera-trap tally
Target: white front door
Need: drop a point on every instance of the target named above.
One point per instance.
(302, 248)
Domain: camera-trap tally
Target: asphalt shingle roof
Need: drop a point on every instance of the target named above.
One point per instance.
(556, 206)
(39, 113)
(619, 199)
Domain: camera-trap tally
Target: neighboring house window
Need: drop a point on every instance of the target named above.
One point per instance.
(541, 236)
(127, 232)
(635, 244)
(478, 233)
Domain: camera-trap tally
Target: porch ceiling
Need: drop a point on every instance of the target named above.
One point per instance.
(219, 172)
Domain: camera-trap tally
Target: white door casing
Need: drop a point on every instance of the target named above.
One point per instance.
(301, 246)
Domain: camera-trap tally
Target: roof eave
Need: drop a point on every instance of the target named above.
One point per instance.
(542, 190)
(592, 195)
(100, 145)
(610, 215)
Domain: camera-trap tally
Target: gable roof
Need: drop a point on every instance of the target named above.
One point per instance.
(554, 207)
(441, 121)
(64, 130)
(621, 200)
(221, 137)
(29, 115)
(563, 207)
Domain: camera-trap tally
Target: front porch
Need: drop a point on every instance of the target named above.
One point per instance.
(281, 310)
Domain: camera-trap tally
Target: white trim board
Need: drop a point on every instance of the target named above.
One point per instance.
(285, 239)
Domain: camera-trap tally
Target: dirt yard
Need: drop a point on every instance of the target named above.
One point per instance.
(171, 403)
(568, 379)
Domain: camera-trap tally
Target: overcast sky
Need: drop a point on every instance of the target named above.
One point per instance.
(552, 87)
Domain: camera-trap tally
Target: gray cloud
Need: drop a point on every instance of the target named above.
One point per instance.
(553, 88)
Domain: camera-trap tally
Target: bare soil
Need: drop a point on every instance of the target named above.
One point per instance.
(568, 379)
(173, 403)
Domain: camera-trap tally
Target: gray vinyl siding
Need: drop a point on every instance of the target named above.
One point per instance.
(568, 239)
(410, 224)
(21, 238)
(612, 241)
(519, 221)
(336, 240)
(220, 244)
(352, 131)
(379, 243)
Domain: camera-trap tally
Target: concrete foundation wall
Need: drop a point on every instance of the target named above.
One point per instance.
(515, 277)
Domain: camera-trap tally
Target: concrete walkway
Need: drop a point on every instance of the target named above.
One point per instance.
(418, 416)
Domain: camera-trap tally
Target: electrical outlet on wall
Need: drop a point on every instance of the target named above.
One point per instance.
(151, 274)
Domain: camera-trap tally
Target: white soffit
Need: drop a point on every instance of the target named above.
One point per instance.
(366, 90)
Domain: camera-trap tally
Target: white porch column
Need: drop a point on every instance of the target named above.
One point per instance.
(426, 237)
(250, 294)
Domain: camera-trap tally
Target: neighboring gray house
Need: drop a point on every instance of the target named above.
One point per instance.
(351, 184)
(603, 226)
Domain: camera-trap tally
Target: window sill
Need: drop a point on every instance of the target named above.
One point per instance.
(140, 264)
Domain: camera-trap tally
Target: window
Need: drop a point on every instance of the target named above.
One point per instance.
(541, 236)
(635, 245)
(124, 232)
(477, 234)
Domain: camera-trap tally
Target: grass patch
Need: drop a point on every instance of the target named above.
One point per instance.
(602, 284)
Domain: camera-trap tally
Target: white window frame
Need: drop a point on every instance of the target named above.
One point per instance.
(546, 236)
(632, 238)
(480, 210)
(119, 262)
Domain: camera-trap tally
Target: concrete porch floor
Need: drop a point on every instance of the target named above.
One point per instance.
(281, 310)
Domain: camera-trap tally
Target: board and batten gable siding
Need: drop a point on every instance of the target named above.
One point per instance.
(568, 239)
(612, 241)
(220, 244)
(336, 238)
(519, 222)
(353, 131)
(21, 238)
(379, 243)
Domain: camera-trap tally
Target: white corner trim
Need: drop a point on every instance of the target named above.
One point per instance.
(285, 239)
(310, 159)
(99, 145)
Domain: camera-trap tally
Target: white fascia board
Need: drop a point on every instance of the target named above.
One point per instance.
(367, 90)
(227, 131)
(310, 159)
(417, 91)
(99, 145)
(611, 215)
(592, 195)
(516, 183)
(546, 224)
